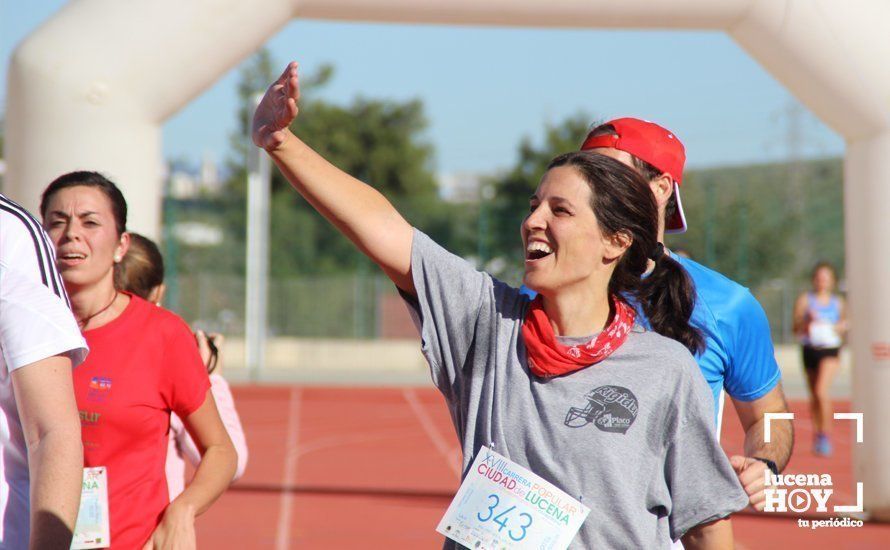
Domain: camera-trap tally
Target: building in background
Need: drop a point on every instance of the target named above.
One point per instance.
(184, 182)
(461, 187)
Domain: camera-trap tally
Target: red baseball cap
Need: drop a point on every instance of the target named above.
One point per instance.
(649, 142)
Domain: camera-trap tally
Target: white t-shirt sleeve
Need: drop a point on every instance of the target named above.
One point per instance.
(35, 323)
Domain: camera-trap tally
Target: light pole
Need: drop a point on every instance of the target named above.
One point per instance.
(258, 191)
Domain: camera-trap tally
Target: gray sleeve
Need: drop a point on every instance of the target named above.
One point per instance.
(702, 483)
(451, 294)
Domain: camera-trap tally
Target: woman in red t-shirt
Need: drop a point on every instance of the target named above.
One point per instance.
(143, 365)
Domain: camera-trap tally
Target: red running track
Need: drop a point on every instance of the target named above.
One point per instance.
(339, 468)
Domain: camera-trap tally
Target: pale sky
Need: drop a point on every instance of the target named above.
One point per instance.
(485, 88)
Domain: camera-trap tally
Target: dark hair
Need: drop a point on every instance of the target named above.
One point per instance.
(89, 179)
(141, 269)
(623, 203)
(648, 171)
(824, 264)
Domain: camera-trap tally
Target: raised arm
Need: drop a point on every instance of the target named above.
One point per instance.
(359, 211)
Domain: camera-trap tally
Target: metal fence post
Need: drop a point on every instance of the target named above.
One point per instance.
(258, 191)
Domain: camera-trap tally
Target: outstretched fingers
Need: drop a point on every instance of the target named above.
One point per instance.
(293, 81)
(290, 70)
(277, 109)
(289, 91)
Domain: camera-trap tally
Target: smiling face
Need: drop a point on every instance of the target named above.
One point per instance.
(565, 247)
(81, 224)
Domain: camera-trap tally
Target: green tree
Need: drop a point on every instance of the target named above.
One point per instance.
(382, 142)
(741, 222)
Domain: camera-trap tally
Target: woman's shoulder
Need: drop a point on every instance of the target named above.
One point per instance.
(157, 316)
(665, 354)
(671, 365)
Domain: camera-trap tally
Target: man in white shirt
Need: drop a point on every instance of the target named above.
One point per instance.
(41, 465)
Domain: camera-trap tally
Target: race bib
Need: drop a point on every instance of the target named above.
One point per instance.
(824, 335)
(92, 529)
(502, 505)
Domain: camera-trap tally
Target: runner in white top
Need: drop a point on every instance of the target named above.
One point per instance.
(39, 424)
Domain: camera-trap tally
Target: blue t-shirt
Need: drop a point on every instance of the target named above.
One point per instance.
(738, 355)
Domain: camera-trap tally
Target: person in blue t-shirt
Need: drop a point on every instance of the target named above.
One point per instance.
(739, 356)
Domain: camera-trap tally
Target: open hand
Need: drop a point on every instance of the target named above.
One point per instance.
(277, 110)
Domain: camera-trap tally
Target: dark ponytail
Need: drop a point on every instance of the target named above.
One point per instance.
(623, 203)
(141, 270)
(667, 296)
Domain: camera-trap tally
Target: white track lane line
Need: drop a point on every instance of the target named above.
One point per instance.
(432, 432)
(282, 538)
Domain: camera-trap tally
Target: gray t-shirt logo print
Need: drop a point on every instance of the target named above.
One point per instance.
(609, 408)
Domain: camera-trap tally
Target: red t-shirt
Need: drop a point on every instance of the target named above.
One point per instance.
(141, 366)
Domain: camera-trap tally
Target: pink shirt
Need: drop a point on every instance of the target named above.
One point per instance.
(181, 446)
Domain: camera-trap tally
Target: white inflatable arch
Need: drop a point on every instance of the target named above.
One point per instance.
(92, 87)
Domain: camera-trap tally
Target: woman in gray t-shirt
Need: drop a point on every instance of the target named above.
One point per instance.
(566, 385)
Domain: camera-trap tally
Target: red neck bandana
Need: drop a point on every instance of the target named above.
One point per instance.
(547, 357)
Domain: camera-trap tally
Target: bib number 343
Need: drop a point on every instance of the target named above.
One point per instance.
(503, 517)
(501, 505)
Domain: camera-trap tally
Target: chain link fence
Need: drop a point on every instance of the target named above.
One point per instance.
(777, 298)
(344, 306)
(363, 306)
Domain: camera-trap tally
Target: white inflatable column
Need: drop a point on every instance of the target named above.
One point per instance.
(92, 138)
(830, 55)
(91, 87)
(867, 215)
